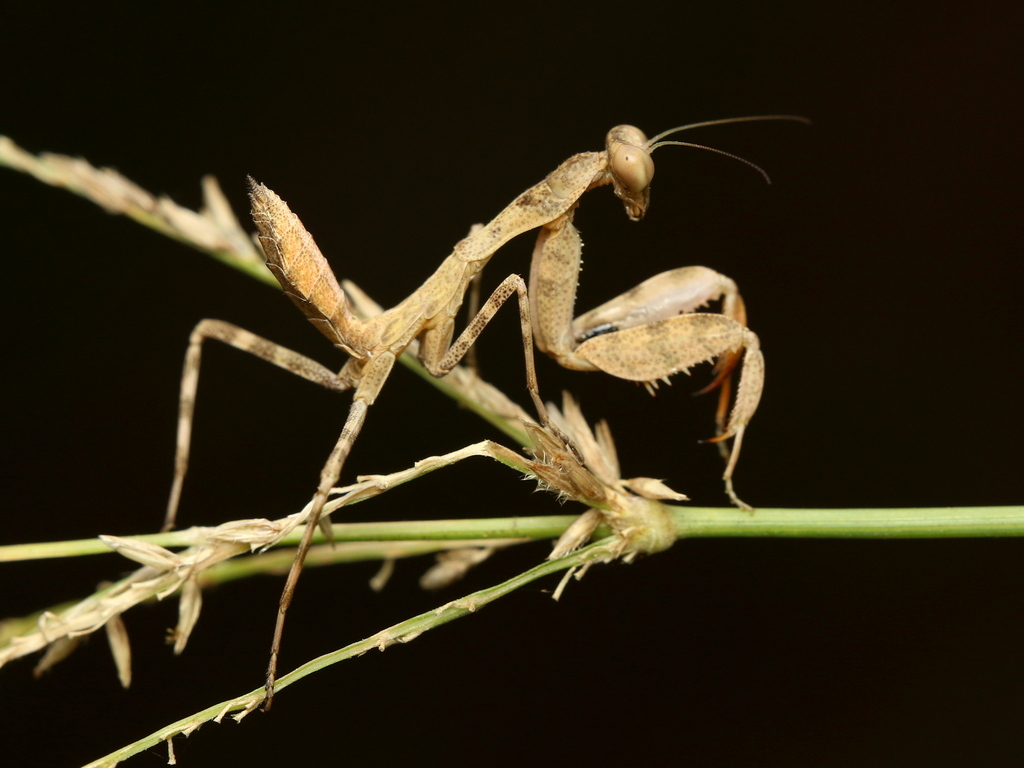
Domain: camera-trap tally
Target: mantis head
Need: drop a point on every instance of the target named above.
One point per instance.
(631, 168)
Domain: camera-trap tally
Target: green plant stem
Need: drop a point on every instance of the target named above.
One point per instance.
(914, 523)
(691, 522)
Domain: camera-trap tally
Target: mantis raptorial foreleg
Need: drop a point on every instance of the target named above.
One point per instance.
(649, 332)
(672, 335)
(428, 314)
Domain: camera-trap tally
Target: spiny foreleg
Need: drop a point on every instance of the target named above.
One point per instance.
(677, 291)
(653, 351)
(748, 395)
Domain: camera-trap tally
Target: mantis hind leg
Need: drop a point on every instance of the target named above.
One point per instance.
(373, 378)
(242, 339)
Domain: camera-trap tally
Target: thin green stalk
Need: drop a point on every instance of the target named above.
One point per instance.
(923, 522)
(691, 522)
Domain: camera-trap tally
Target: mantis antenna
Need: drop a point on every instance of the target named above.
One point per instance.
(658, 141)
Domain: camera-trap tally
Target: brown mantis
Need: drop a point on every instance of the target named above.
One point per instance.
(646, 334)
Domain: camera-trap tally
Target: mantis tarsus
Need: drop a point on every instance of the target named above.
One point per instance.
(646, 334)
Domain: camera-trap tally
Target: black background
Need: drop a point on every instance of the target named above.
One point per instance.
(880, 271)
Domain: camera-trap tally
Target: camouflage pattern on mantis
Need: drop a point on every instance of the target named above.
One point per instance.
(646, 334)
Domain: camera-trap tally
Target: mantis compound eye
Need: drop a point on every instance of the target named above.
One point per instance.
(629, 159)
(631, 168)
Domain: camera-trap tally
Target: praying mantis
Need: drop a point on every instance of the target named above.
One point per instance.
(646, 334)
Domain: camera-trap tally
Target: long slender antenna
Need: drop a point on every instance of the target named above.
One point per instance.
(658, 141)
(756, 167)
(653, 143)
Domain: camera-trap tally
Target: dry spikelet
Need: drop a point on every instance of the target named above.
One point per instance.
(117, 636)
